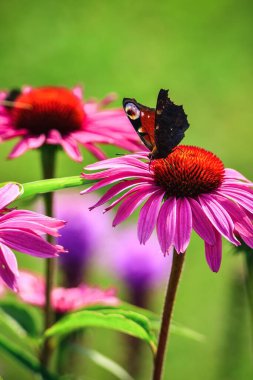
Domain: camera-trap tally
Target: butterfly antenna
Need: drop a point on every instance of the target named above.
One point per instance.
(9, 103)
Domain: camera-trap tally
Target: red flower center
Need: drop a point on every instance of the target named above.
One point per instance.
(48, 108)
(188, 171)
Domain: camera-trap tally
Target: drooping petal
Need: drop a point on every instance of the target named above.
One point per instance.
(243, 224)
(37, 223)
(140, 187)
(214, 253)
(114, 178)
(201, 223)
(27, 242)
(71, 148)
(35, 142)
(8, 194)
(128, 206)
(234, 174)
(78, 92)
(239, 196)
(218, 216)
(8, 267)
(96, 151)
(166, 224)
(20, 148)
(183, 225)
(148, 216)
(115, 190)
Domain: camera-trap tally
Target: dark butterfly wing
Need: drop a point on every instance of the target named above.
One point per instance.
(170, 125)
(142, 119)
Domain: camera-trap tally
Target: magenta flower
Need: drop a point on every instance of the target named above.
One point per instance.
(21, 230)
(32, 291)
(58, 116)
(190, 189)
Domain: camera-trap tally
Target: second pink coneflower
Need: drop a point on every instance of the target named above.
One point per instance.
(59, 116)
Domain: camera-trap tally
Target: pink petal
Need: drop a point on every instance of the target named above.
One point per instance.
(218, 216)
(183, 225)
(128, 206)
(113, 178)
(115, 190)
(8, 267)
(214, 253)
(35, 142)
(166, 224)
(78, 92)
(28, 242)
(97, 152)
(148, 216)
(37, 223)
(8, 194)
(118, 162)
(71, 148)
(242, 222)
(234, 174)
(141, 186)
(19, 149)
(201, 223)
(54, 137)
(241, 197)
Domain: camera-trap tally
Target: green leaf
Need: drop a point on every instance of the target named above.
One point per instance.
(154, 320)
(25, 315)
(24, 357)
(104, 362)
(124, 321)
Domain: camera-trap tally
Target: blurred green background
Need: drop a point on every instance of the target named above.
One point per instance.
(202, 52)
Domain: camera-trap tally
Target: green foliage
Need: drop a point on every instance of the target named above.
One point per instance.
(26, 316)
(16, 344)
(128, 322)
(104, 362)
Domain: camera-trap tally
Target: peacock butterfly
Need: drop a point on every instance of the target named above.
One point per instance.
(161, 128)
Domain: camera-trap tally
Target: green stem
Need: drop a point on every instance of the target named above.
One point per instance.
(48, 158)
(50, 185)
(177, 265)
(249, 285)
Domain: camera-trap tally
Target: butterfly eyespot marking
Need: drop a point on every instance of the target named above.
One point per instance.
(132, 111)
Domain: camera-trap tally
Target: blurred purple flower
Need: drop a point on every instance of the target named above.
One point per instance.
(140, 267)
(82, 235)
(21, 230)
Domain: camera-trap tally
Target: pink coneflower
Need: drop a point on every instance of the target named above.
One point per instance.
(21, 230)
(32, 290)
(59, 116)
(190, 189)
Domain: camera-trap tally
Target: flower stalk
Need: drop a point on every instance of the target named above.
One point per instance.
(177, 265)
(48, 158)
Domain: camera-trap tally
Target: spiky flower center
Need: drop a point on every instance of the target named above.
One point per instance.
(48, 108)
(188, 171)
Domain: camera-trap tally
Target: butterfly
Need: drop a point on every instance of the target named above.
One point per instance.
(162, 128)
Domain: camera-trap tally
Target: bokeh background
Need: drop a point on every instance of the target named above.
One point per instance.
(202, 52)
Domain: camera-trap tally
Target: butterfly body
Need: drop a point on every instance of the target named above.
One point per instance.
(162, 128)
